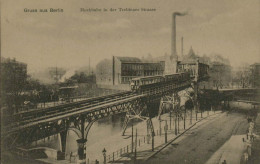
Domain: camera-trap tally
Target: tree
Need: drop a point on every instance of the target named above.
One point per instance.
(242, 76)
(13, 82)
(81, 77)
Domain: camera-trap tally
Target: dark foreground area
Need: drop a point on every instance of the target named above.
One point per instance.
(255, 159)
(201, 142)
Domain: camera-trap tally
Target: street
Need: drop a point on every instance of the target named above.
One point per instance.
(199, 144)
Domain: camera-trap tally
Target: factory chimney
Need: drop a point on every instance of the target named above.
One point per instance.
(174, 51)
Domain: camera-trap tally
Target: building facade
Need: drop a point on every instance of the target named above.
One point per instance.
(118, 72)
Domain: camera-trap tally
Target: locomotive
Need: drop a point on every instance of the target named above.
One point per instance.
(143, 83)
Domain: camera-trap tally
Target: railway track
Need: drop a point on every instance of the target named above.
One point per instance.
(31, 118)
(41, 114)
(67, 114)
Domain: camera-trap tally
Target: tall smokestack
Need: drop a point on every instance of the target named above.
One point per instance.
(182, 46)
(174, 51)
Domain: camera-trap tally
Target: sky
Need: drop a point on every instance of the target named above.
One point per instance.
(69, 38)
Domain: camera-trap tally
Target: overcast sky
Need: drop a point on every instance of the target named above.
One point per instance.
(68, 39)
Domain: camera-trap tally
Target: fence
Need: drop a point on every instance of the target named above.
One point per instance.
(127, 150)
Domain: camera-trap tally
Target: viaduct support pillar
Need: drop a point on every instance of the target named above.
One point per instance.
(196, 105)
(82, 143)
(82, 150)
(63, 138)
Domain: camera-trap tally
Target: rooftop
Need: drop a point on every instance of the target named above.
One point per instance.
(255, 64)
(129, 59)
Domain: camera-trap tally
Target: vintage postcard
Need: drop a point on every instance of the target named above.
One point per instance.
(130, 81)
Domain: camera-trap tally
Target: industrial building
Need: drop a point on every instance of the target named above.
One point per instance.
(118, 72)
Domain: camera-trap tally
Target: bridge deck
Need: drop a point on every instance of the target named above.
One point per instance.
(54, 114)
(73, 112)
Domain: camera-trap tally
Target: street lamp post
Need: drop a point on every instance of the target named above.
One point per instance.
(175, 129)
(178, 124)
(104, 154)
(190, 116)
(165, 130)
(160, 128)
(132, 143)
(135, 155)
(184, 119)
(170, 119)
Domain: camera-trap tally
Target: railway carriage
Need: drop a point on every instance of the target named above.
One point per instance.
(171, 77)
(141, 84)
(184, 76)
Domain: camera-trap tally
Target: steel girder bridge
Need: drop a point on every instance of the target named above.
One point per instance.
(79, 116)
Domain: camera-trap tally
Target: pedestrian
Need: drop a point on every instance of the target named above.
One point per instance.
(249, 151)
(70, 155)
(245, 157)
(148, 138)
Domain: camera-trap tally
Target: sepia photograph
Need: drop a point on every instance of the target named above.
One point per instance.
(130, 82)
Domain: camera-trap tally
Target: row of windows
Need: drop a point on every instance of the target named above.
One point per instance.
(104, 79)
(141, 73)
(152, 73)
(132, 67)
(151, 67)
(131, 73)
(129, 76)
(126, 80)
(151, 81)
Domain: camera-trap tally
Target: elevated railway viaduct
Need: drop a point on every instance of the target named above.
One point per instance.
(80, 116)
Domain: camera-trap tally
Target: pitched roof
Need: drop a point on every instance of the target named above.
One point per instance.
(191, 53)
(129, 59)
(191, 57)
(255, 64)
